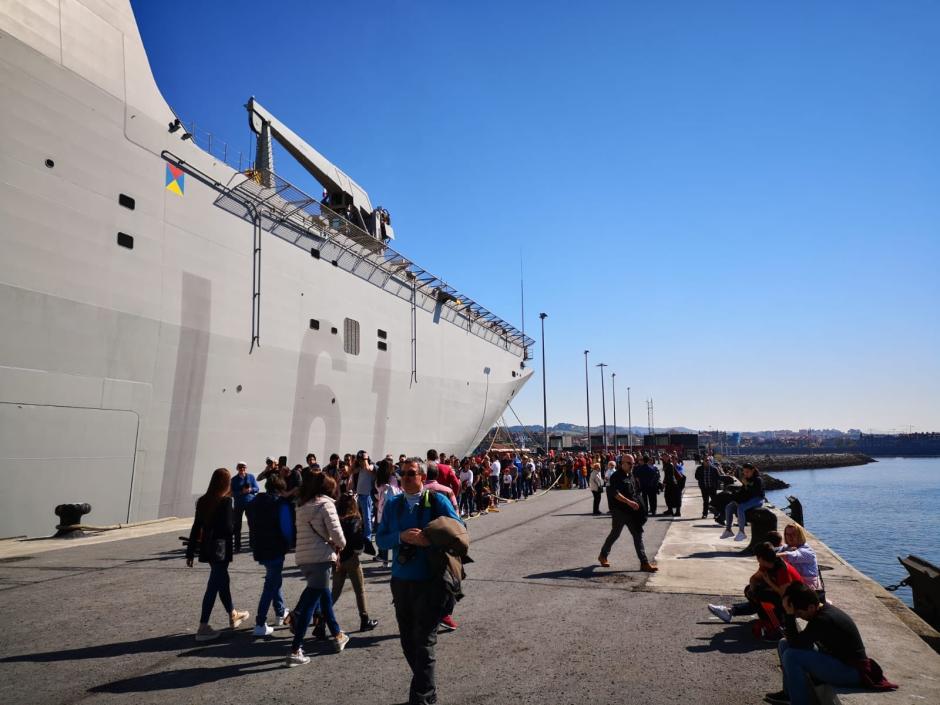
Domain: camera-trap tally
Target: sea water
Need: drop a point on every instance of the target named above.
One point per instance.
(872, 514)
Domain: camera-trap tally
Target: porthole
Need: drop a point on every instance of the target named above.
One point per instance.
(125, 240)
(314, 324)
(49, 163)
(127, 201)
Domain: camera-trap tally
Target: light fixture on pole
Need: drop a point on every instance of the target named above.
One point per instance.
(629, 421)
(543, 316)
(613, 393)
(602, 365)
(587, 395)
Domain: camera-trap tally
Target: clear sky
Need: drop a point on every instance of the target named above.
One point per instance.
(736, 205)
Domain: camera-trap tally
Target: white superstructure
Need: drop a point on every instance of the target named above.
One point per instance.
(128, 304)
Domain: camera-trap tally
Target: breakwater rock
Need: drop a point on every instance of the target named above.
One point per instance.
(782, 463)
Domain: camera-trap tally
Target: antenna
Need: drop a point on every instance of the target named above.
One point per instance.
(522, 291)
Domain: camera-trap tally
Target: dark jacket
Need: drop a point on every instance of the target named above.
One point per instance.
(352, 530)
(206, 530)
(749, 490)
(625, 484)
(648, 476)
(271, 527)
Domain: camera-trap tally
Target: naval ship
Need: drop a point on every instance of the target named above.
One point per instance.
(165, 313)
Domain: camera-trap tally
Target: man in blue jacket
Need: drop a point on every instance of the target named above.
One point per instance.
(419, 595)
(244, 489)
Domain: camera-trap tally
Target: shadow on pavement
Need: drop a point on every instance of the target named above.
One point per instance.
(171, 642)
(733, 639)
(187, 677)
(711, 554)
(585, 573)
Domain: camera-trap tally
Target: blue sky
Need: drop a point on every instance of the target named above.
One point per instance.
(736, 205)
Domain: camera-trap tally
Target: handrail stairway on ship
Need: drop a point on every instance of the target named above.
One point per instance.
(287, 212)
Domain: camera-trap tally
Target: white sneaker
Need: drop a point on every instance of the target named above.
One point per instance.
(741, 536)
(339, 642)
(263, 630)
(722, 612)
(726, 534)
(298, 659)
(282, 618)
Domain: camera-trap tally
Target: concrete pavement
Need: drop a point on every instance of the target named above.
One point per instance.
(541, 623)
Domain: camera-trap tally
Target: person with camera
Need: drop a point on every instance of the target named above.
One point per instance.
(419, 594)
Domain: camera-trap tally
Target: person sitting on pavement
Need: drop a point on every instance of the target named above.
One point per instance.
(801, 556)
(767, 585)
(271, 531)
(829, 650)
(749, 496)
(348, 565)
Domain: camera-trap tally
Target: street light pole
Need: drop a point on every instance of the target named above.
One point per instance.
(629, 420)
(613, 393)
(587, 395)
(543, 316)
(602, 365)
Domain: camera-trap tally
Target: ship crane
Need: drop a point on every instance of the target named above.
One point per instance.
(341, 194)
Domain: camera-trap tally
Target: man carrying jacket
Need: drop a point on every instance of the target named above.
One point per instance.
(418, 593)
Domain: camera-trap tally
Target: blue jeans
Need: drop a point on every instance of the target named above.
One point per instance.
(797, 664)
(310, 600)
(741, 509)
(271, 590)
(365, 508)
(218, 585)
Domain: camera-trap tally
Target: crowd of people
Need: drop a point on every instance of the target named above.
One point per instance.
(330, 515)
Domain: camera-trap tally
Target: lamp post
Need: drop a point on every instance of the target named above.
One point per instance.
(587, 395)
(613, 393)
(543, 316)
(629, 421)
(602, 365)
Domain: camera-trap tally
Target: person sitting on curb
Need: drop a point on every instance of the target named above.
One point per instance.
(829, 650)
(749, 496)
(801, 556)
(767, 585)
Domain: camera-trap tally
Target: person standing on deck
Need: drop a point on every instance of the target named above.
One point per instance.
(596, 484)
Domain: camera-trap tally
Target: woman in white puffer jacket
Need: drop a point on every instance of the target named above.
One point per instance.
(319, 540)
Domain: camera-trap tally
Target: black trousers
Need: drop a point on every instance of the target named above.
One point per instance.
(620, 519)
(237, 528)
(649, 500)
(597, 501)
(419, 606)
(708, 495)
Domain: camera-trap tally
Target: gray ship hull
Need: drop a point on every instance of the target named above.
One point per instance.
(125, 373)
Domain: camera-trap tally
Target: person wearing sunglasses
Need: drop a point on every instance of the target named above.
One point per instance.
(419, 594)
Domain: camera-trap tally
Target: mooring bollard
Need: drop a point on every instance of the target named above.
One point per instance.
(70, 515)
(762, 522)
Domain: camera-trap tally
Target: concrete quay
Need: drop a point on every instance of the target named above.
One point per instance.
(112, 621)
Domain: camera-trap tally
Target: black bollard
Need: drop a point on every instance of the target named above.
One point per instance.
(795, 510)
(761, 522)
(70, 515)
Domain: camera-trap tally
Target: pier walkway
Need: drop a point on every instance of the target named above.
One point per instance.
(113, 622)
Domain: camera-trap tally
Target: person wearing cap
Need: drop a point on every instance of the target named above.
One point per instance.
(244, 489)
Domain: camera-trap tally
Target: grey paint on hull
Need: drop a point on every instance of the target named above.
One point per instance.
(189, 384)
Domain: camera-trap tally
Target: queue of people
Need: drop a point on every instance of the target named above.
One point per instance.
(329, 516)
